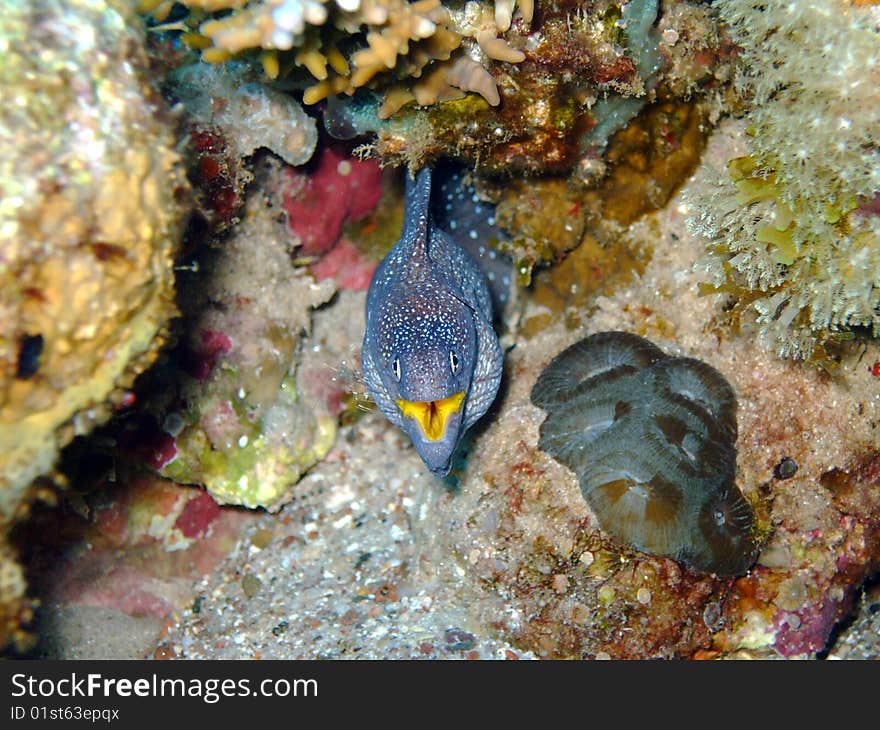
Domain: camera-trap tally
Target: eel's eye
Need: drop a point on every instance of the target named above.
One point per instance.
(453, 362)
(395, 366)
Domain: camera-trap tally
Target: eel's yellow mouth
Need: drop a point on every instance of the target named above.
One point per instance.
(433, 415)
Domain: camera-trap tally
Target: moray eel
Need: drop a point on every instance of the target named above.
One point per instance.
(652, 441)
(431, 359)
(471, 223)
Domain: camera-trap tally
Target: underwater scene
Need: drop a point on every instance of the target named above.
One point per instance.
(445, 329)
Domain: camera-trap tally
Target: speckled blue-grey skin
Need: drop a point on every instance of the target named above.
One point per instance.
(472, 224)
(429, 309)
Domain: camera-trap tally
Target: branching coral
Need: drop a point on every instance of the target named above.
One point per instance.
(345, 45)
(794, 237)
(524, 92)
(585, 72)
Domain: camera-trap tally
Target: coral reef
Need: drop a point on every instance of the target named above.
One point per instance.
(227, 116)
(345, 44)
(229, 408)
(793, 238)
(580, 225)
(90, 216)
(584, 73)
(547, 93)
(804, 585)
(546, 578)
(374, 558)
(578, 122)
(651, 439)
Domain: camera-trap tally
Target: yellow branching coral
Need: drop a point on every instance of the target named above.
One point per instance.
(344, 45)
(504, 12)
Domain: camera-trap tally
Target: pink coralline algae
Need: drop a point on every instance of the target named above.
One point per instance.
(347, 266)
(793, 605)
(141, 438)
(321, 200)
(807, 630)
(201, 360)
(806, 633)
(142, 552)
(197, 516)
